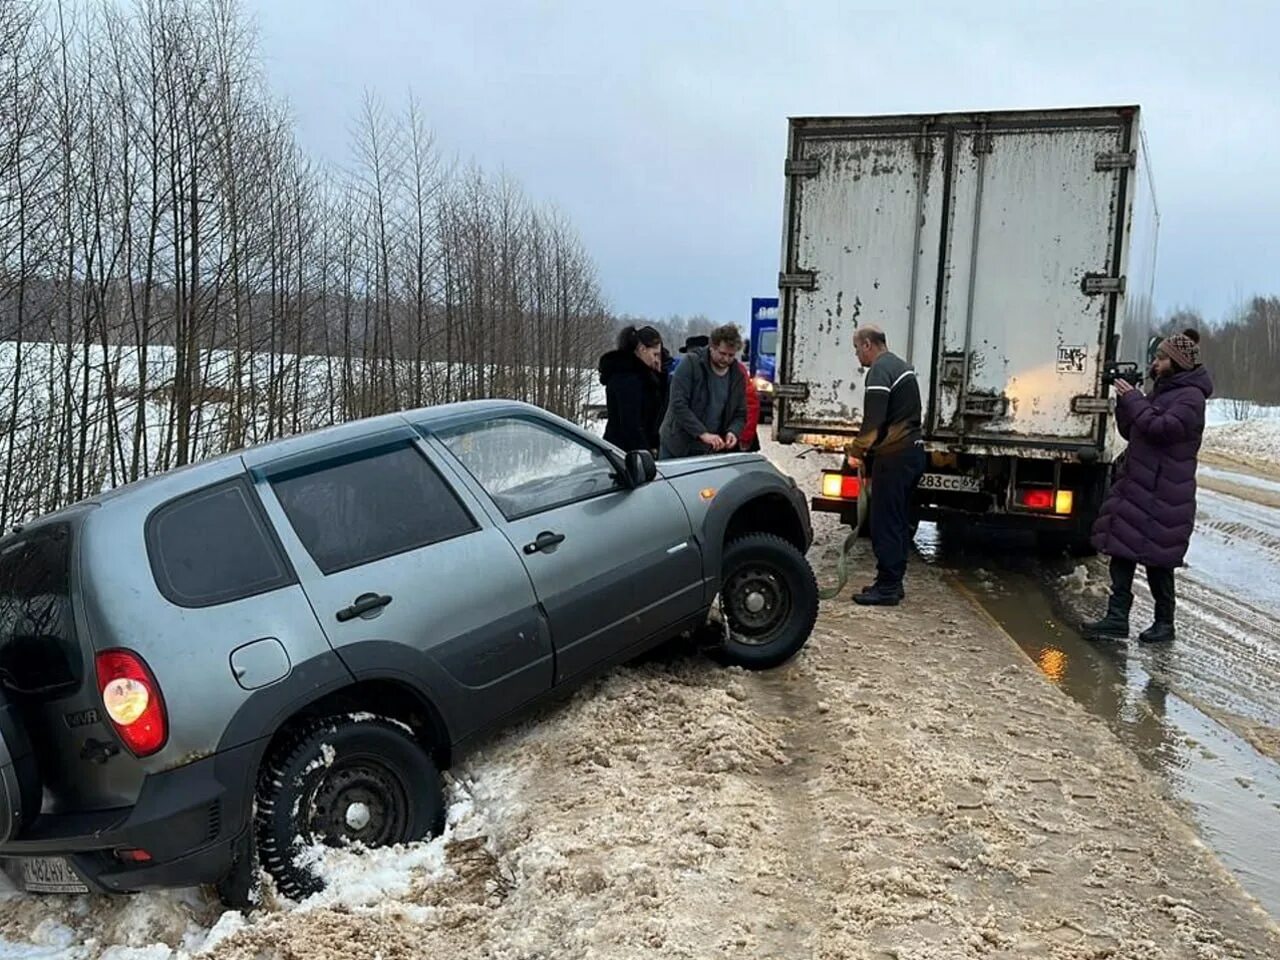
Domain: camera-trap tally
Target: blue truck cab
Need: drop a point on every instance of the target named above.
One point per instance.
(763, 358)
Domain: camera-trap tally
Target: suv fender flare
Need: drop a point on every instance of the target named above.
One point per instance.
(738, 492)
(266, 711)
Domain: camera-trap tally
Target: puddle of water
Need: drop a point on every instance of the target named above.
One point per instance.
(1230, 790)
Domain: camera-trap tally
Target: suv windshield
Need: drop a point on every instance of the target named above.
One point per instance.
(38, 647)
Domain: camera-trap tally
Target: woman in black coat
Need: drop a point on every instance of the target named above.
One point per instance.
(633, 386)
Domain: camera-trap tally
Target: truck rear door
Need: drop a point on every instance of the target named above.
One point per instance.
(1036, 210)
(989, 247)
(864, 207)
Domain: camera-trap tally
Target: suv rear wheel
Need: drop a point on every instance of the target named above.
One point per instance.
(769, 598)
(340, 781)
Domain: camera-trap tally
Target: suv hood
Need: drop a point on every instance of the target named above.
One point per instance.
(687, 466)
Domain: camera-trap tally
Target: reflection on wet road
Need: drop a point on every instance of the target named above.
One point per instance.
(1203, 712)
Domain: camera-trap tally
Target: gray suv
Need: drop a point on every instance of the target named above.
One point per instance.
(201, 669)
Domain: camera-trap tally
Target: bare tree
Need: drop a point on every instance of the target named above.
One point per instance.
(177, 279)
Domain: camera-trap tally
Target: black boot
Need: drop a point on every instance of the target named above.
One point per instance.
(1158, 632)
(1164, 593)
(874, 587)
(879, 595)
(1113, 626)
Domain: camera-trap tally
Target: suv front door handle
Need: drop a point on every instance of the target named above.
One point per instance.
(546, 540)
(364, 604)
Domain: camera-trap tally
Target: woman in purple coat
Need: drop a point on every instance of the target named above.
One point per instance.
(1150, 511)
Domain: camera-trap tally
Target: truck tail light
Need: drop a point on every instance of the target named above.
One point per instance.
(840, 486)
(132, 699)
(1035, 499)
(1061, 502)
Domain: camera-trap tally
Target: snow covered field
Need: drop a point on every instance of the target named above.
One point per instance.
(1254, 441)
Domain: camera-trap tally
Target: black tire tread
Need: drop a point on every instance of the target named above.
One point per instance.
(727, 655)
(291, 881)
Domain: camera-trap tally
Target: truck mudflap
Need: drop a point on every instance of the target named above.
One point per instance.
(19, 776)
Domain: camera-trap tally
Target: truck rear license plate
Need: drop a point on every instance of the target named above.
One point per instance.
(951, 481)
(50, 875)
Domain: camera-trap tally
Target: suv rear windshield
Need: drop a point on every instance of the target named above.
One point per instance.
(39, 651)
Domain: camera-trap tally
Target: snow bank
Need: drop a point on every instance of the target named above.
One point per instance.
(187, 924)
(1255, 441)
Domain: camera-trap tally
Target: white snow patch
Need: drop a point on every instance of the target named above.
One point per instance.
(365, 717)
(357, 876)
(141, 927)
(157, 951)
(50, 938)
(327, 755)
(1219, 411)
(1256, 439)
(228, 925)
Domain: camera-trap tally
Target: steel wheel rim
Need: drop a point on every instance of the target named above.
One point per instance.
(359, 800)
(756, 602)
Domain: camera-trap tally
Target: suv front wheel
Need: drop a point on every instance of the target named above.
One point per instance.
(768, 598)
(339, 781)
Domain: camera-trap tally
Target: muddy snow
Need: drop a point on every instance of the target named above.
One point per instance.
(910, 787)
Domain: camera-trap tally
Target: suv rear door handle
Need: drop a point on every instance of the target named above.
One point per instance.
(545, 541)
(365, 603)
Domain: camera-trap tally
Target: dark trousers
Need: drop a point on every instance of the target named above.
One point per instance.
(1160, 579)
(893, 480)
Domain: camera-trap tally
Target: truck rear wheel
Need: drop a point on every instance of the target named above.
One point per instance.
(768, 598)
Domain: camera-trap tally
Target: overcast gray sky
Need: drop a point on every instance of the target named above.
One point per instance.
(660, 127)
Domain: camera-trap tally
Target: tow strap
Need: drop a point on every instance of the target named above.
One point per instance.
(846, 548)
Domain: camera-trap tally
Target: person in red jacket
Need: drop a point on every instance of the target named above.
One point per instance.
(749, 441)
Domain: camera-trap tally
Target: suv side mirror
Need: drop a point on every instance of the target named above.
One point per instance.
(640, 467)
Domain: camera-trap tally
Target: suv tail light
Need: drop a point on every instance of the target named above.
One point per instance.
(132, 699)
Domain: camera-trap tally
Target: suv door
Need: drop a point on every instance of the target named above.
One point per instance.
(408, 578)
(612, 566)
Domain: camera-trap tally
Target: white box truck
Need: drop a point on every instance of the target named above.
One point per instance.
(1008, 257)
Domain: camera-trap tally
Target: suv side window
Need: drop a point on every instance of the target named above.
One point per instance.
(375, 505)
(528, 467)
(214, 546)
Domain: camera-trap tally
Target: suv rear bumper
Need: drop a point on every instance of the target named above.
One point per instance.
(188, 819)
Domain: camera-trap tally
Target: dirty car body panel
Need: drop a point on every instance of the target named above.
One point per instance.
(483, 556)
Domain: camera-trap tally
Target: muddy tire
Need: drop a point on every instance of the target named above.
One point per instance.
(769, 597)
(341, 781)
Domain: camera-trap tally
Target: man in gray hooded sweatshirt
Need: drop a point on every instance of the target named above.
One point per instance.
(707, 406)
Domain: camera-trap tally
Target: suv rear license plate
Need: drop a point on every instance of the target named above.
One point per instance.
(958, 482)
(50, 875)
